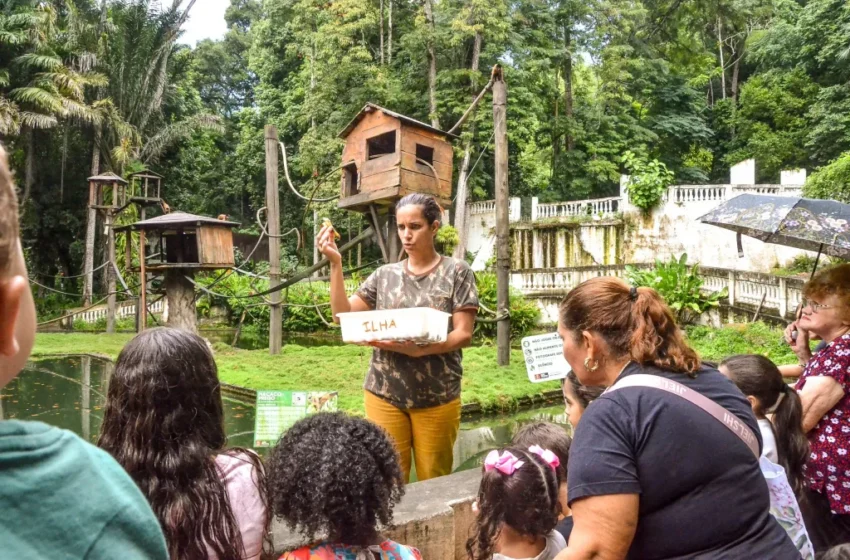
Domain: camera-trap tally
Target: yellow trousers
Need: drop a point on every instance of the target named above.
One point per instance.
(429, 432)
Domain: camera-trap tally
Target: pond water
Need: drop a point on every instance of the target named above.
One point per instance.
(69, 392)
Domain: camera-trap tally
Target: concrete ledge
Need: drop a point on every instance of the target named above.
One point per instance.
(435, 516)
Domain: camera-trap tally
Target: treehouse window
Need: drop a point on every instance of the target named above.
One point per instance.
(424, 153)
(381, 145)
(181, 247)
(351, 179)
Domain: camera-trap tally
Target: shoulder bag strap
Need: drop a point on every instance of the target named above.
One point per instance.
(721, 414)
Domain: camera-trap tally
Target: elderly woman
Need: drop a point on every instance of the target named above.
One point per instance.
(823, 389)
(651, 475)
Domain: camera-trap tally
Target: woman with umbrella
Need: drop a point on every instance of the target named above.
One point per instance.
(823, 387)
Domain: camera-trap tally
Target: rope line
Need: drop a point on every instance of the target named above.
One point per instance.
(68, 277)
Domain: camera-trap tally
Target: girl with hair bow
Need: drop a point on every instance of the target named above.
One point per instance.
(517, 506)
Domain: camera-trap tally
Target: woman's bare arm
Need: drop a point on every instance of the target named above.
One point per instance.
(819, 395)
(604, 527)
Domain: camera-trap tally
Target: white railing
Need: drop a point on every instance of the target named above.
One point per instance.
(483, 207)
(780, 294)
(593, 207)
(777, 190)
(682, 194)
(324, 288)
(124, 309)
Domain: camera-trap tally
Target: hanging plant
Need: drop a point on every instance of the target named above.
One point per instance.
(647, 182)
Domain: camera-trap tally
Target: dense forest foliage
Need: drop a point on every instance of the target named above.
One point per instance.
(93, 85)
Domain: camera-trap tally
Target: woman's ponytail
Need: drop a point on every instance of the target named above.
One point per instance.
(656, 338)
(792, 446)
(758, 377)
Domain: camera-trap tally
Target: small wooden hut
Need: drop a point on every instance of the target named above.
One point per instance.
(388, 155)
(180, 244)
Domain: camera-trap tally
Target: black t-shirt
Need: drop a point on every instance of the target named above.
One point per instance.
(565, 527)
(702, 494)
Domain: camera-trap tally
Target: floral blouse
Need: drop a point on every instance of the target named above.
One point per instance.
(387, 550)
(828, 468)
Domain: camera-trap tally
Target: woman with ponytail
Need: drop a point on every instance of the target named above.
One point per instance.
(652, 473)
(785, 443)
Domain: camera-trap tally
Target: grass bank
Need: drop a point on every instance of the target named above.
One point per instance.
(343, 368)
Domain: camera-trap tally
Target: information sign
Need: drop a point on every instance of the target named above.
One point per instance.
(544, 357)
(277, 411)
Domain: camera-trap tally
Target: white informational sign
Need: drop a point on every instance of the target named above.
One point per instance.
(544, 357)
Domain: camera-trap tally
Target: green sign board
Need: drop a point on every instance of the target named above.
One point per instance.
(277, 411)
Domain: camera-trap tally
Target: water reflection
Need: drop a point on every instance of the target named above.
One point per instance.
(70, 392)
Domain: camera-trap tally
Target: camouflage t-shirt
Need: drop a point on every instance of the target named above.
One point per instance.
(430, 380)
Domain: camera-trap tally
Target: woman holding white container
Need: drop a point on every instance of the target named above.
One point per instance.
(413, 390)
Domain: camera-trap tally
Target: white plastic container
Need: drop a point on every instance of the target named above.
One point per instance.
(417, 324)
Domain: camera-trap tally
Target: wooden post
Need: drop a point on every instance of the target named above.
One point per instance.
(142, 312)
(110, 268)
(503, 259)
(88, 262)
(379, 231)
(273, 214)
(394, 246)
(180, 295)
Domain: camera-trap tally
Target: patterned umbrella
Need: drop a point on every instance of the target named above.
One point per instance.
(803, 223)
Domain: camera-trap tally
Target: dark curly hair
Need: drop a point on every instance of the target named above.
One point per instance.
(335, 475)
(526, 501)
(164, 423)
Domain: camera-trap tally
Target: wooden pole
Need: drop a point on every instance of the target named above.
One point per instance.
(503, 261)
(110, 269)
(394, 247)
(273, 214)
(142, 314)
(88, 263)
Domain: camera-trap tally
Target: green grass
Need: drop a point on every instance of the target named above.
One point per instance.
(751, 338)
(341, 368)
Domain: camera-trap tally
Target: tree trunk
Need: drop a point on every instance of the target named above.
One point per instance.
(503, 257)
(180, 294)
(722, 61)
(29, 169)
(390, 32)
(64, 159)
(568, 88)
(463, 177)
(91, 224)
(382, 31)
(735, 70)
(432, 65)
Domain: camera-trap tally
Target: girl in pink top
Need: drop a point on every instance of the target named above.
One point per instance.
(164, 423)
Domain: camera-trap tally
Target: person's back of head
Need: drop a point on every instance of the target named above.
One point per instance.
(164, 423)
(759, 379)
(635, 323)
(17, 310)
(548, 436)
(335, 475)
(518, 489)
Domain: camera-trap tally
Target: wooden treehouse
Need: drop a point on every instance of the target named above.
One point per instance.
(387, 156)
(178, 244)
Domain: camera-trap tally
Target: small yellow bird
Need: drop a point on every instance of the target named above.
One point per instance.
(326, 222)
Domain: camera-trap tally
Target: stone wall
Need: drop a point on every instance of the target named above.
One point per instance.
(435, 516)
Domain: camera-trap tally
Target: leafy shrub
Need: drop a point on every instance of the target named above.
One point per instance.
(648, 181)
(306, 319)
(524, 313)
(680, 285)
(122, 324)
(831, 181)
(446, 240)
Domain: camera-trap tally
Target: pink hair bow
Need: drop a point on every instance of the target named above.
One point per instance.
(505, 463)
(546, 455)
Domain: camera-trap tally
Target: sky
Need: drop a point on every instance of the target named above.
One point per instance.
(206, 21)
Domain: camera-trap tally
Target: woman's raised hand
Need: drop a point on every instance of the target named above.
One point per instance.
(798, 340)
(327, 245)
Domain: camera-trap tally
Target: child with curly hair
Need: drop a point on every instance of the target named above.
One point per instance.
(517, 506)
(337, 476)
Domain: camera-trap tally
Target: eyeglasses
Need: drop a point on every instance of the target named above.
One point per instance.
(817, 306)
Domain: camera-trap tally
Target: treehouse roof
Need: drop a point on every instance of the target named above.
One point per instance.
(369, 107)
(108, 177)
(178, 220)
